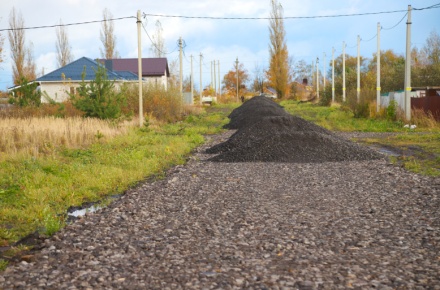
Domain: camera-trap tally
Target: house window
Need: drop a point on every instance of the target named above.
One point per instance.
(72, 90)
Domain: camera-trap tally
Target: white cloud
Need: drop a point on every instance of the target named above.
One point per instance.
(217, 39)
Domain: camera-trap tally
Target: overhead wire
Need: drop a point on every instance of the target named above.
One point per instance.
(67, 24)
(396, 23)
(153, 43)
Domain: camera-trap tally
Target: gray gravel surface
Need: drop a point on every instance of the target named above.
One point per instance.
(215, 225)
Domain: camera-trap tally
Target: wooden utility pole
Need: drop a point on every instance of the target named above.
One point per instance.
(141, 110)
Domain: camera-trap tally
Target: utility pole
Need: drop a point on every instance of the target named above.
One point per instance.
(215, 80)
(211, 76)
(317, 77)
(408, 67)
(141, 110)
(236, 68)
(219, 83)
(358, 94)
(378, 69)
(192, 81)
(201, 86)
(324, 73)
(343, 71)
(181, 67)
(333, 74)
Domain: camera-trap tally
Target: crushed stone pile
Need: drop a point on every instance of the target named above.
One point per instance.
(252, 111)
(267, 133)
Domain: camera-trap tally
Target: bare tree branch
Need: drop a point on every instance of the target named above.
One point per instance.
(64, 54)
(108, 37)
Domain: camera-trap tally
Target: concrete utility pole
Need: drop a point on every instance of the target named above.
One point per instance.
(211, 76)
(358, 94)
(343, 71)
(408, 67)
(141, 110)
(181, 67)
(215, 79)
(333, 74)
(192, 81)
(317, 77)
(323, 72)
(219, 83)
(378, 69)
(236, 68)
(201, 86)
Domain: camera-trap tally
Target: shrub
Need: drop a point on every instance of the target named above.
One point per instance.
(26, 95)
(99, 97)
(391, 111)
(163, 105)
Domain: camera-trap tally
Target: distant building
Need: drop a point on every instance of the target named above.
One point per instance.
(59, 83)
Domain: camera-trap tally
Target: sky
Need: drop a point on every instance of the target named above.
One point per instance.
(218, 39)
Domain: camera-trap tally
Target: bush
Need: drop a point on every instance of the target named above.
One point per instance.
(99, 97)
(163, 105)
(26, 95)
(391, 111)
(325, 97)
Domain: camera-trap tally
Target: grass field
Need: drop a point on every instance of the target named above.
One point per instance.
(420, 148)
(37, 190)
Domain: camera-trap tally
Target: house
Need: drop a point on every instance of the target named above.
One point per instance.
(154, 70)
(59, 83)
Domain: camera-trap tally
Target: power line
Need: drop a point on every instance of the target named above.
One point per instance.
(397, 22)
(154, 44)
(68, 24)
(289, 17)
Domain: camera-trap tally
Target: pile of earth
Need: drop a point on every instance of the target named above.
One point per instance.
(267, 133)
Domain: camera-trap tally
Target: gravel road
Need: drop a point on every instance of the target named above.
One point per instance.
(259, 225)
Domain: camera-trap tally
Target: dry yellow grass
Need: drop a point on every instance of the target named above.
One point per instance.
(41, 135)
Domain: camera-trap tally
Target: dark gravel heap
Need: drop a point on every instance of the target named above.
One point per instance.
(267, 133)
(252, 111)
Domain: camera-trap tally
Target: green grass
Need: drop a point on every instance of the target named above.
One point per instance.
(421, 148)
(337, 119)
(421, 151)
(35, 193)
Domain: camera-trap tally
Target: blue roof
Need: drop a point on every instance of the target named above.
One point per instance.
(74, 70)
(127, 75)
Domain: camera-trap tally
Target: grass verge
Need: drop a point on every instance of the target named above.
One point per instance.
(419, 150)
(35, 193)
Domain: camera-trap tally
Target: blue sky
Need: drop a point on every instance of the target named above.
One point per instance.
(223, 40)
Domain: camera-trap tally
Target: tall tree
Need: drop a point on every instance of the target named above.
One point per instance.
(230, 80)
(278, 74)
(158, 44)
(23, 62)
(258, 81)
(108, 37)
(64, 54)
(2, 41)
